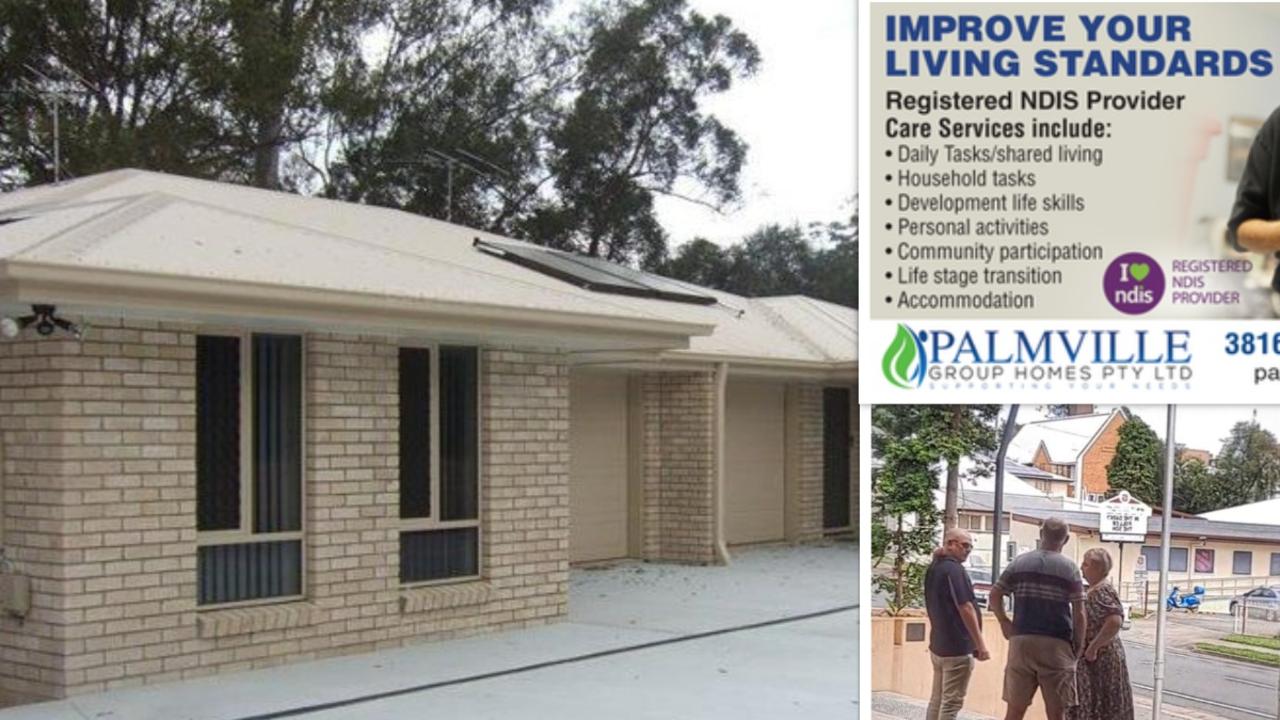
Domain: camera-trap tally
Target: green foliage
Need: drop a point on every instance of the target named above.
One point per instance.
(820, 260)
(1255, 640)
(635, 128)
(126, 82)
(910, 441)
(1260, 657)
(1196, 490)
(1249, 463)
(1138, 465)
(904, 517)
(701, 262)
(566, 131)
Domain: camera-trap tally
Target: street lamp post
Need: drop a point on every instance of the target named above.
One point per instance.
(1158, 694)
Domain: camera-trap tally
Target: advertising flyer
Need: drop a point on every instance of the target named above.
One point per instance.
(1070, 356)
(1074, 199)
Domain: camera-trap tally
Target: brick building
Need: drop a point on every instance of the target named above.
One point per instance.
(1078, 447)
(284, 428)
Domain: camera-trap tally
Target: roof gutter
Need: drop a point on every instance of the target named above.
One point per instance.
(666, 359)
(179, 296)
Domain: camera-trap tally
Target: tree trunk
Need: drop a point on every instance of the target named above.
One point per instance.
(266, 158)
(950, 516)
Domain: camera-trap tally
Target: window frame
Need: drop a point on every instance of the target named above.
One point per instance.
(1235, 556)
(433, 521)
(1204, 552)
(244, 535)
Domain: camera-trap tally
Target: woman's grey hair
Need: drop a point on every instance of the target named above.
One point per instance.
(1101, 556)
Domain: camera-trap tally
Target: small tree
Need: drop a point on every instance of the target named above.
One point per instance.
(905, 518)
(1196, 490)
(1249, 463)
(958, 431)
(1137, 465)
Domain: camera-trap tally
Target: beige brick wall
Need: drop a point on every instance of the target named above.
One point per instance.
(678, 466)
(805, 466)
(99, 509)
(99, 504)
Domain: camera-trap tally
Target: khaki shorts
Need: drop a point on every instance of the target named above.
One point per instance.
(1040, 661)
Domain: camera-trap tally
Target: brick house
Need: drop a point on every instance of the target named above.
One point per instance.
(240, 428)
(1078, 447)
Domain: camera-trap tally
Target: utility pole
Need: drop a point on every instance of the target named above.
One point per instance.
(1161, 614)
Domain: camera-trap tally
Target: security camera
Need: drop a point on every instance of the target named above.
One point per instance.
(9, 327)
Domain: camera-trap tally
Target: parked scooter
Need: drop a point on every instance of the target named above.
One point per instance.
(1186, 601)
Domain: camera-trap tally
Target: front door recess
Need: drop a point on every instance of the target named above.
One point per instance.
(835, 459)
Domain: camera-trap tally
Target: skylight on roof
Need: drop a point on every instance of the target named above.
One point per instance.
(594, 274)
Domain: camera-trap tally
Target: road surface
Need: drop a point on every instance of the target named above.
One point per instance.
(1214, 685)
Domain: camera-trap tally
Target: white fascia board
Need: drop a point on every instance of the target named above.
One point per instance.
(655, 360)
(193, 299)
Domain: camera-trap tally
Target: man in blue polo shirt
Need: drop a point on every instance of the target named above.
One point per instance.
(955, 627)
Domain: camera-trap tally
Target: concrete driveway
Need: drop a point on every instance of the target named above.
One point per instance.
(774, 635)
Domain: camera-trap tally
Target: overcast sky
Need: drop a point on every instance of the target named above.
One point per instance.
(796, 113)
(1196, 426)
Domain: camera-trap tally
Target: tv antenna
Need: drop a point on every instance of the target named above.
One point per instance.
(458, 159)
(52, 97)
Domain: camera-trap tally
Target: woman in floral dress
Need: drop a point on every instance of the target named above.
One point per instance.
(1102, 678)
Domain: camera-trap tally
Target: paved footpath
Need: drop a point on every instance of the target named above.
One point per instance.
(889, 706)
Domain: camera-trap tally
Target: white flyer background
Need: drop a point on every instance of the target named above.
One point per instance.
(1208, 362)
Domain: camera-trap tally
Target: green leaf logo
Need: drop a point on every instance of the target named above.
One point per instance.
(904, 361)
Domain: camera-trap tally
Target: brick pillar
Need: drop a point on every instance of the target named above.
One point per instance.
(99, 505)
(804, 462)
(678, 466)
(525, 486)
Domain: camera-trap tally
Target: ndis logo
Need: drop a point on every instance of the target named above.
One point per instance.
(905, 361)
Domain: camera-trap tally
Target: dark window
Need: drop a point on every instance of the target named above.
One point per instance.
(1152, 554)
(277, 433)
(415, 433)
(459, 466)
(835, 458)
(217, 433)
(1177, 558)
(1204, 560)
(249, 571)
(1275, 564)
(256, 563)
(428, 551)
(439, 554)
(1242, 562)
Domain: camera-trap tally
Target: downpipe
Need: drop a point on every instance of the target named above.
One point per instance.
(722, 382)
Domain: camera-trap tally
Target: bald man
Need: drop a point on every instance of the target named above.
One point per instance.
(955, 627)
(1047, 631)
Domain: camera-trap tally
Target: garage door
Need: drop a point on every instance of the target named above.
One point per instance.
(597, 467)
(754, 461)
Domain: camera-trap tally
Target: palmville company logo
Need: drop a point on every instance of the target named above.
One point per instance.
(904, 362)
(1070, 355)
